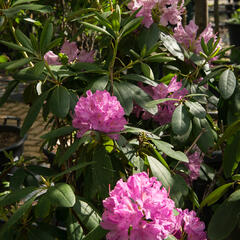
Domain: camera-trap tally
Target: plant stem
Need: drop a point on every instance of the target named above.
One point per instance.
(51, 73)
(111, 65)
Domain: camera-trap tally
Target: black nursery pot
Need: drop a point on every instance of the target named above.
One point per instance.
(17, 147)
(234, 33)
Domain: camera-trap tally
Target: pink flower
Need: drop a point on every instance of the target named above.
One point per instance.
(138, 209)
(195, 160)
(192, 225)
(70, 49)
(188, 36)
(166, 109)
(85, 56)
(99, 111)
(51, 58)
(170, 11)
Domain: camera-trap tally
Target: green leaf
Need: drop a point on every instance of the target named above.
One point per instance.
(66, 130)
(207, 138)
(68, 153)
(23, 39)
(15, 46)
(46, 36)
(229, 132)
(11, 12)
(16, 196)
(227, 84)
(137, 131)
(167, 149)
(59, 103)
(33, 113)
(38, 68)
(159, 101)
(102, 172)
(215, 195)
(43, 207)
(99, 84)
(147, 71)
(141, 98)
(130, 26)
(16, 180)
(74, 168)
(172, 46)
(180, 120)
(74, 229)
(15, 64)
(86, 213)
(40, 170)
(97, 233)
(231, 156)
(225, 218)
(98, 29)
(3, 58)
(53, 44)
(160, 172)
(159, 58)
(196, 109)
(61, 195)
(171, 238)
(11, 86)
(17, 215)
(23, 1)
(139, 78)
(86, 67)
(123, 94)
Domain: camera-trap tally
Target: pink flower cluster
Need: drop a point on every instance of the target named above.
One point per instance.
(166, 109)
(71, 50)
(170, 11)
(99, 111)
(140, 209)
(195, 160)
(188, 36)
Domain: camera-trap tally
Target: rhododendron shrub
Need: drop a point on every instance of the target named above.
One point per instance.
(141, 209)
(127, 92)
(166, 109)
(168, 11)
(99, 111)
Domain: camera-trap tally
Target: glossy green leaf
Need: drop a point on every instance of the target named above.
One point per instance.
(231, 156)
(196, 109)
(180, 120)
(23, 39)
(100, 84)
(130, 26)
(86, 213)
(227, 84)
(23, 1)
(42, 209)
(139, 78)
(59, 103)
(33, 113)
(96, 28)
(168, 150)
(10, 87)
(102, 172)
(172, 46)
(15, 46)
(97, 233)
(16, 180)
(123, 94)
(66, 130)
(16, 196)
(46, 36)
(160, 172)
(15, 64)
(215, 195)
(147, 71)
(61, 195)
(159, 58)
(74, 229)
(225, 218)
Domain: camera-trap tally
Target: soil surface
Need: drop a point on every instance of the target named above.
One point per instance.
(8, 138)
